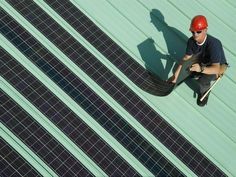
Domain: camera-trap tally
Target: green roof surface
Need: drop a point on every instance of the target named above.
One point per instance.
(153, 33)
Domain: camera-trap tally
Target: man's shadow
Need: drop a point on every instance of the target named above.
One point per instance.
(158, 62)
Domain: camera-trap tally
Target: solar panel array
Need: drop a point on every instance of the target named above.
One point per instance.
(34, 136)
(44, 144)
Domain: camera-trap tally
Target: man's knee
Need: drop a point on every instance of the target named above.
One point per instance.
(205, 82)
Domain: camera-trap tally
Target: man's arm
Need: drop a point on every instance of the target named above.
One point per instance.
(213, 69)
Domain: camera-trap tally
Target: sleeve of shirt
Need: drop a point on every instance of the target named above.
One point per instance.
(189, 47)
(215, 50)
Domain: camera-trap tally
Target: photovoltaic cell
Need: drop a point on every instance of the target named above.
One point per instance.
(65, 119)
(186, 152)
(12, 163)
(88, 100)
(38, 140)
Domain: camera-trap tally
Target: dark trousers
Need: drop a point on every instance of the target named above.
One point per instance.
(204, 82)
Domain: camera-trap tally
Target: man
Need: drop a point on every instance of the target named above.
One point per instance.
(211, 56)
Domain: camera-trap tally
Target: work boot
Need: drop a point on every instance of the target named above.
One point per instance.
(204, 101)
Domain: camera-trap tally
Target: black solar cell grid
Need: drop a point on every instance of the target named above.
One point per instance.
(88, 100)
(12, 163)
(38, 140)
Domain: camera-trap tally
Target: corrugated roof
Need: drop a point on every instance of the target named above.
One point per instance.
(151, 33)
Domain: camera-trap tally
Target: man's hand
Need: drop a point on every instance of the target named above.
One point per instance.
(172, 79)
(195, 67)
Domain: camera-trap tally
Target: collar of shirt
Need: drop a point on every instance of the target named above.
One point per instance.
(202, 42)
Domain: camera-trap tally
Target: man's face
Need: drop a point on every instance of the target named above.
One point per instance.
(199, 36)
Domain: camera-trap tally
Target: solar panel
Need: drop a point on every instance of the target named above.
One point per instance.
(86, 98)
(37, 139)
(12, 163)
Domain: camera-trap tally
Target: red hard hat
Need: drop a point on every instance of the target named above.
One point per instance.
(198, 23)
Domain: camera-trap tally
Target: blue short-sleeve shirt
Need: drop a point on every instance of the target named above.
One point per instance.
(211, 51)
